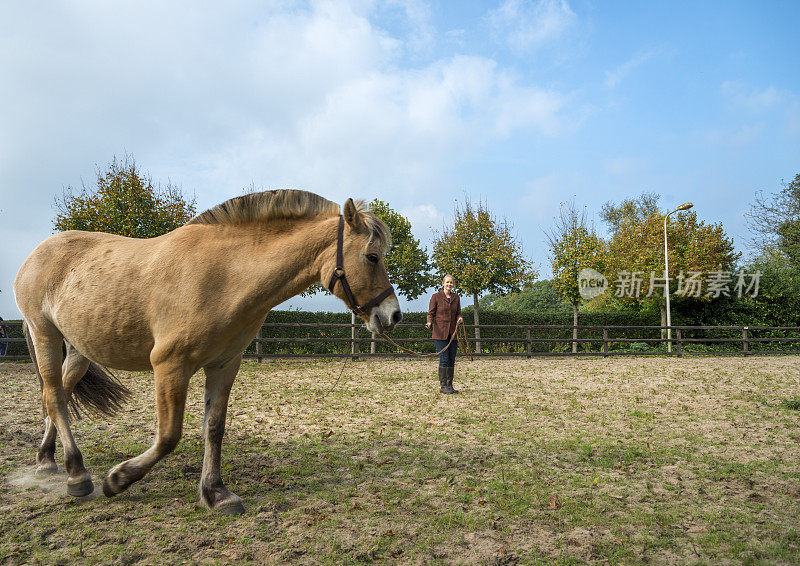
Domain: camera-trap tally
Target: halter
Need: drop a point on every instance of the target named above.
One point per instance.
(338, 275)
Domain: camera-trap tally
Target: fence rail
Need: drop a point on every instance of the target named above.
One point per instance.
(295, 340)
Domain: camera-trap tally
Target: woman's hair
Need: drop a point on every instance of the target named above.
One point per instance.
(446, 275)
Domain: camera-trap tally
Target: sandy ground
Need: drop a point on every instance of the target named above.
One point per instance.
(585, 460)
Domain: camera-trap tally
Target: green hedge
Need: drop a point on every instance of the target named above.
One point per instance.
(14, 330)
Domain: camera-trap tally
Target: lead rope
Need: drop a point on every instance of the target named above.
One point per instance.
(335, 383)
(463, 342)
(460, 334)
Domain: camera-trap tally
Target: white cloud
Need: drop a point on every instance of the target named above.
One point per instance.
(623, 166)
(417, 14)
(390, 130)
(215, 99)
(743, 135)
(526, 25)
(262, 80)
(456, 36)
(752, 99)
(781, 105)
(423, 217)
(615, 76)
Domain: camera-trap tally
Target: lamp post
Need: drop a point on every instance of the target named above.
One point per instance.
(684, 206)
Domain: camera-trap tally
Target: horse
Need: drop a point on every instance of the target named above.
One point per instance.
(192, 298)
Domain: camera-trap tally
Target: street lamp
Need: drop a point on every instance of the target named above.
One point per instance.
(684, 206)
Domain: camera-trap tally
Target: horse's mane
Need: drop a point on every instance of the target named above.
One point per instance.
(288, 204)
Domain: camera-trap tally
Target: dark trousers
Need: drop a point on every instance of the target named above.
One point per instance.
(447, 359)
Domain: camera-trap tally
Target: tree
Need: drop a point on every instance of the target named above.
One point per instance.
(124, 202)
(483, 255)
(574, 245)
(630, 211)
(789, 240)
(774, 221)
(406, 262)
(778, 300)
(637, 246)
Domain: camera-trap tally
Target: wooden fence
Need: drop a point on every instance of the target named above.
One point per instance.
(302, 340)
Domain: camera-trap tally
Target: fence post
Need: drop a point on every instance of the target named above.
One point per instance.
(745, 341)
(528, 343)
(679, 351)
(259, 351)
(353, 334)
(605, 342)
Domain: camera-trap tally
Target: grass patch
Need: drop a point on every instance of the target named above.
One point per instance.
(791, 404)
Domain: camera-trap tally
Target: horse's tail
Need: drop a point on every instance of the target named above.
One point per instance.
(98, 391)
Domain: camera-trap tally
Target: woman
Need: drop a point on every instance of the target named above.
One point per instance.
(444, 313)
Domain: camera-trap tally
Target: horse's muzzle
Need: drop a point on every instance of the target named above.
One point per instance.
(385, 316)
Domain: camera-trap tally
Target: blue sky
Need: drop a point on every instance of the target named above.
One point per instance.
(523, 104)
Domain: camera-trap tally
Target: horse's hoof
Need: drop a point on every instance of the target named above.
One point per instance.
(46, 469)
(109, 491)
(230, 506)
(80, 488)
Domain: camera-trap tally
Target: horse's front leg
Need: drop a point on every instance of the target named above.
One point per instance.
(213, 493)
(171, 382)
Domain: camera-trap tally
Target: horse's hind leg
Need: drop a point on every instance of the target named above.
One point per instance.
(47, 342)
(171, 382)
(72, 370)
(213, 493)
(46, 455)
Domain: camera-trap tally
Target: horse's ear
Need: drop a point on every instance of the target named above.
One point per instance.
(352, 216)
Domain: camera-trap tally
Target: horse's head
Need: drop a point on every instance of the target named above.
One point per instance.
(356, 272)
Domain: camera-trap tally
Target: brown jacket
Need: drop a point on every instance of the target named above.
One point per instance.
(443, 314)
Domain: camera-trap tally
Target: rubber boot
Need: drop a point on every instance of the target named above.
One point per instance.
(444, 387)
(450, 372)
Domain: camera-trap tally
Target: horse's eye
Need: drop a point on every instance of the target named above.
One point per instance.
(372, 258)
